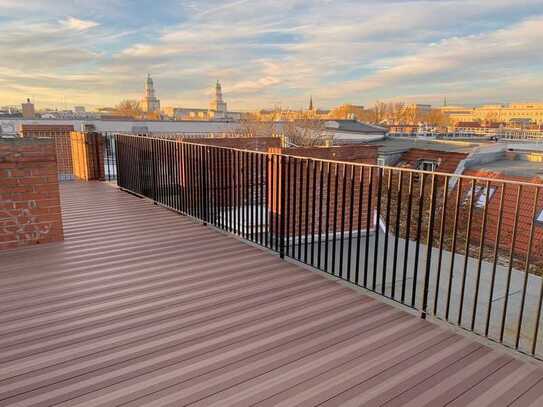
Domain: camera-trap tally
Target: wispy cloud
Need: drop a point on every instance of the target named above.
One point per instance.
(77, 24)
(269, 52)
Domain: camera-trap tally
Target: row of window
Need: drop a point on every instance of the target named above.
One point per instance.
(480, 199)
(479, 192)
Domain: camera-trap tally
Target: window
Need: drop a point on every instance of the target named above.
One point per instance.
(481, 200)
(479, 196)
(539, 218)
(427, 165)
(381, 161)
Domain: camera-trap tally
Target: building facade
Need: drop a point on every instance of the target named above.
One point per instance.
(28, 109)
(523, 113)
(217, 110)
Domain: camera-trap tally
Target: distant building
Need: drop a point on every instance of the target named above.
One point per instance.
(523, 113)
(150, 103)
(217, 110)
(352, 131)
(218, 105)
(79, 109)
(28, 109)
(421, 108)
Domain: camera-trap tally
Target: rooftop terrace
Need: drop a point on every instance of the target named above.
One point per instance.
(142, 306)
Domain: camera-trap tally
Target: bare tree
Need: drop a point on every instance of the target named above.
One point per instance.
(252, 127)
(129, 108)
(380, 112)
(307, 133)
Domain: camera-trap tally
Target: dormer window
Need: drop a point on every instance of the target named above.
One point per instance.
(427, 165)
(479, 194)
(481, 200)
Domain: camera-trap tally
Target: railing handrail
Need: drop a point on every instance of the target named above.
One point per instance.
(339, 162)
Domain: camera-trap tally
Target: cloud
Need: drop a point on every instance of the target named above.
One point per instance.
(73, 23)
(272, 52)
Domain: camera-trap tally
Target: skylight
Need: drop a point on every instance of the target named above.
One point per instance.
(539, 218)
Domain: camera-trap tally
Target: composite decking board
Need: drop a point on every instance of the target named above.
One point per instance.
(118, 254)
(125, 322)
(141, 306)
(252, 261)
(227, 299)
(531, 398)
(392, 382)
(190, 359)
(139, 274)
(489, 390)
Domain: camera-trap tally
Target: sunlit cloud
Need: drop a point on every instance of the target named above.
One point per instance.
(267, 53)
(77, 24)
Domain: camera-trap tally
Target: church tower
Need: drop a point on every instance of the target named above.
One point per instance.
(311, 103)
(150, 103)
(218, 104)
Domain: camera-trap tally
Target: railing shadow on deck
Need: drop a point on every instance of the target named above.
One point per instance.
(462, 249)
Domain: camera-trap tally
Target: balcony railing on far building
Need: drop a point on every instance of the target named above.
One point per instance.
(465, 250)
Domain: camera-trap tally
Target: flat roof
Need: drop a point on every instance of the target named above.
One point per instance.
(515, 168)
(390, 145)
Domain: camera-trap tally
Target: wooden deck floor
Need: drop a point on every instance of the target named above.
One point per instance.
(140, 306)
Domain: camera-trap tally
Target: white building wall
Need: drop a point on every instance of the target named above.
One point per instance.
(126, 126)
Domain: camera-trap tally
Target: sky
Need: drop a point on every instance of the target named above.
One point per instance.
(271, 52)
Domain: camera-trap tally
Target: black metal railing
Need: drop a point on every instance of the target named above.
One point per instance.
(462, 249)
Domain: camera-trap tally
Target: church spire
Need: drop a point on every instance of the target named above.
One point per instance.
(311, 102)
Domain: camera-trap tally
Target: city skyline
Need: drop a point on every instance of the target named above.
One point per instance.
(267, 54)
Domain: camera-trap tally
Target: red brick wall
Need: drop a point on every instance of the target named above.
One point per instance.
(304, 207)
(61, 134)
(29, 193)
(448, 161)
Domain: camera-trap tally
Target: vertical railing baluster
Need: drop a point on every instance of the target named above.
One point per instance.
(407, 236)
(351, 216)
(480, 256)
(387, 231)
(300, 210)
(466, 253)
(414, 286)
(453, 249)
(377, 227)
(397, 233)
(342, 234)
(321, 193)
(369, 210)
(441, 240)
(359, 226)
(306, 210)
(334, 231)
(328, 208)
(429, 246)
(294, 206)
(282, 211)
(313, 209)
(510, 269)
(527, 266)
